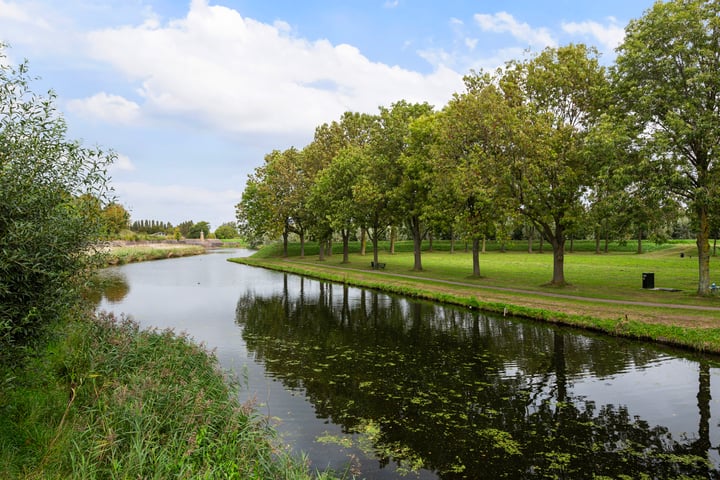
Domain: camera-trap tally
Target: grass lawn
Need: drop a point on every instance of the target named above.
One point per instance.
(605, 291)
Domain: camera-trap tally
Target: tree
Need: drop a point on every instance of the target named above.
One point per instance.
(378, 190)
(253, 212)
(352, 131)
(226, 230)
(332, 194)
(667, 79)
(50, 188)
(198, 228)
(557, 98)
(116, 218)
(185, 227)
(473, 145)
(418, 171)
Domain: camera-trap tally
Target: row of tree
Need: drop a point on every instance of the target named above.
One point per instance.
(187, 229)
(556, 140)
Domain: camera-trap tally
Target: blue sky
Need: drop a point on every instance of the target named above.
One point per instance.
(193, 94)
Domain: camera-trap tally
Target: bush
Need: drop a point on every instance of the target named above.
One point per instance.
(226, 231)
(51, 193)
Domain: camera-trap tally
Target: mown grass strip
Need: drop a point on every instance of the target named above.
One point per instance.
(598, 277)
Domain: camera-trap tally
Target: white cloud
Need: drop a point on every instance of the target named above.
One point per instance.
(106, 107)
(609, 36)
(503, 22)
(238, 75)
(123, 163)
(16, 13)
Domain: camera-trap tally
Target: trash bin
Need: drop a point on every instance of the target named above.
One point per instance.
(648, 280)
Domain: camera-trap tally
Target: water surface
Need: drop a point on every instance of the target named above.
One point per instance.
(388, 386)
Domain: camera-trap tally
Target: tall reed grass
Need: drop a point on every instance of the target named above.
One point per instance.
(105, 399)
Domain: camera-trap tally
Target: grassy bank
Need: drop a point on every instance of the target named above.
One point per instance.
(104, 399)
(605, 292)
(120, 255)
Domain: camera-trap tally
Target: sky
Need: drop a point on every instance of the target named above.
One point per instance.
(191, 95)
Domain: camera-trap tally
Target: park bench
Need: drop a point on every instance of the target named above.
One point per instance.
(377, 266)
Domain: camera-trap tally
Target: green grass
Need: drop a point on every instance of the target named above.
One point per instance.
(104, 399)
(600, 295)
(143, 253)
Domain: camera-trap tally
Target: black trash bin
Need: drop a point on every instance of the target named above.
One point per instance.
(648, 280)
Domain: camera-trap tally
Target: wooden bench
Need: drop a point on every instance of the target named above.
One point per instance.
(377, 265)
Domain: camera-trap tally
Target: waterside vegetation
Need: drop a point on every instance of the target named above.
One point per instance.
(122, 254)
(103, 399)
(605, 292)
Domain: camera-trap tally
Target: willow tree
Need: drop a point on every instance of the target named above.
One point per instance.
(667, 79)
(557, 98)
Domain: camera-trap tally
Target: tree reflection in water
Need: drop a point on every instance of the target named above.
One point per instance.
(464, 394)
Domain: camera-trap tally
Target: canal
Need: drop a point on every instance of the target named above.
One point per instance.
(388, 387)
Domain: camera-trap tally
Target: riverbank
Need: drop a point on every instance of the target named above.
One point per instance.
(97, 397)
(605, 294)
(104, 399)
(123, 253)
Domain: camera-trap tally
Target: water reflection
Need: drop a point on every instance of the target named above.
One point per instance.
(108, 284)
(467, 395)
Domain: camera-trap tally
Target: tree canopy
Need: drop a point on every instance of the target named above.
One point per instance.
(666, 78)
(555, 142)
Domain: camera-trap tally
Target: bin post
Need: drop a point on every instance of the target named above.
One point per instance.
(648, 280)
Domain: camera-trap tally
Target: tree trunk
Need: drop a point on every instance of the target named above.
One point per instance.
(558, 245)
(703, 246)
(531, 232)
(484, 241)
(375, 251)
(607, 240)
(417, 243)
(321, 250)
(476, 256)
(430, 241)
(452, 242)
(302, 243)
(285, 242)
(363, 240)
(597, 242)
(329, 243)
(346, 245)
(393, 235)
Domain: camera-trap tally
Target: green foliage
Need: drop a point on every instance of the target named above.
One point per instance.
(226, 231)
(184, 228)
(667, 83)
(116, 218)
(51, 190)
(151, 226)
(196, 228)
